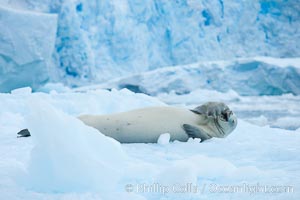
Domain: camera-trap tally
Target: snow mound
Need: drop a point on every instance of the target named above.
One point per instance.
(69, 156)
(22, 91)
(76, 157)
(291, 123)
(164, 139)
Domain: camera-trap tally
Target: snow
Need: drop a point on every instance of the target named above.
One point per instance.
(64, 151)
(63, 58)
(100, 40)
(164, 139)
(27, 42)
(20, 91)
(65, 159)
(291, 123)
(282, 62)
(251, 77)
(276, 111)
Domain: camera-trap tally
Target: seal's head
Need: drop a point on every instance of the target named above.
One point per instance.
(225, 123)
(222, 120)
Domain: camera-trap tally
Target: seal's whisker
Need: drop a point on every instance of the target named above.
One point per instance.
(219, 127)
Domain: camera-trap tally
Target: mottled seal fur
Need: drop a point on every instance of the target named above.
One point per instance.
(212, 119)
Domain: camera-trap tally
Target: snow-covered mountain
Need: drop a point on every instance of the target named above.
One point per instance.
(82, 41)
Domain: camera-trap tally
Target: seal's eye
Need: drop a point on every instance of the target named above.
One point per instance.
(225, 115)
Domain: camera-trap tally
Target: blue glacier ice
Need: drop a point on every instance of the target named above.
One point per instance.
(98, 40)
(26, 43)
(248, 77)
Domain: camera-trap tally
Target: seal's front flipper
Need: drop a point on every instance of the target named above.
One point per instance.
(195, 132)
(24, 133)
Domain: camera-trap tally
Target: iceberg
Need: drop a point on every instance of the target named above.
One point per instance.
(27, 42)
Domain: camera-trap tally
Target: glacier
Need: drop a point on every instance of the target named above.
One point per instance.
(99, 40)
(26, 44)
(248, 77)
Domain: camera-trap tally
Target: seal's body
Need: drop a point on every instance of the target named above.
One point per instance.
(147, 124)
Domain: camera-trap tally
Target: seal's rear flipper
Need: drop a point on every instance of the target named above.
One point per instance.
(24, 133)
(195, 132)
